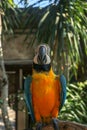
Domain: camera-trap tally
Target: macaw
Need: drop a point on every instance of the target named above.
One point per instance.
(45, 92)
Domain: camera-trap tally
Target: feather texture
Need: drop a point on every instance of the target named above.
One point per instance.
(63, 90)
(45, 95)
(48, 95)
(28, 96)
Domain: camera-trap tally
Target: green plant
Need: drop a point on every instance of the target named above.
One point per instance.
(75, 108)
(63, 25)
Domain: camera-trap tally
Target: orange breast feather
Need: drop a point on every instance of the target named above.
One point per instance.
(45, 95)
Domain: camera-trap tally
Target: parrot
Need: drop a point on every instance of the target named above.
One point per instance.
(45, 92)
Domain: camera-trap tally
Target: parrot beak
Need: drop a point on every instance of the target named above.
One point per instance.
(42, 58)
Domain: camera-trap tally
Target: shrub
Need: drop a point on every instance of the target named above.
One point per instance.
(75, 108)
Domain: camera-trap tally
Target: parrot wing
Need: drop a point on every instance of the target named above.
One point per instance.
(27, 96)
(63, 90)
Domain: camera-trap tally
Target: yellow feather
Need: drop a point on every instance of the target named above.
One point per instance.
(45, 94)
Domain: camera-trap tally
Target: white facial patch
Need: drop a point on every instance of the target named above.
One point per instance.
(48, 59)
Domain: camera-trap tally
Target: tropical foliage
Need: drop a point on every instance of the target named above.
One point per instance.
(63, 25)
(9, 17)
(75, 108)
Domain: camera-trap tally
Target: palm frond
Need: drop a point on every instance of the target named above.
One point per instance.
(66, 20)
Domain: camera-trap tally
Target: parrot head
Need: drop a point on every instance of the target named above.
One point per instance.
(42, 60)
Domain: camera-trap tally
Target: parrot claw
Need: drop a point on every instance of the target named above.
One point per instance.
(55, 124)
(39, 126)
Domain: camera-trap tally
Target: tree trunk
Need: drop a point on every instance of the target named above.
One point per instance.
(67, 125)
(4, 87)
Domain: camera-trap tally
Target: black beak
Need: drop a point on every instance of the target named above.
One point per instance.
(42, 59)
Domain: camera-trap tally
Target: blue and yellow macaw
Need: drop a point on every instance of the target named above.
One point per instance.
(45, 92)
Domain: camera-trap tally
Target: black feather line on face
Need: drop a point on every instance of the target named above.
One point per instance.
(42, 60)
(40, 68)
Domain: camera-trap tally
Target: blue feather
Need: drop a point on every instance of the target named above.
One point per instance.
(27, 96)
(63, 90)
